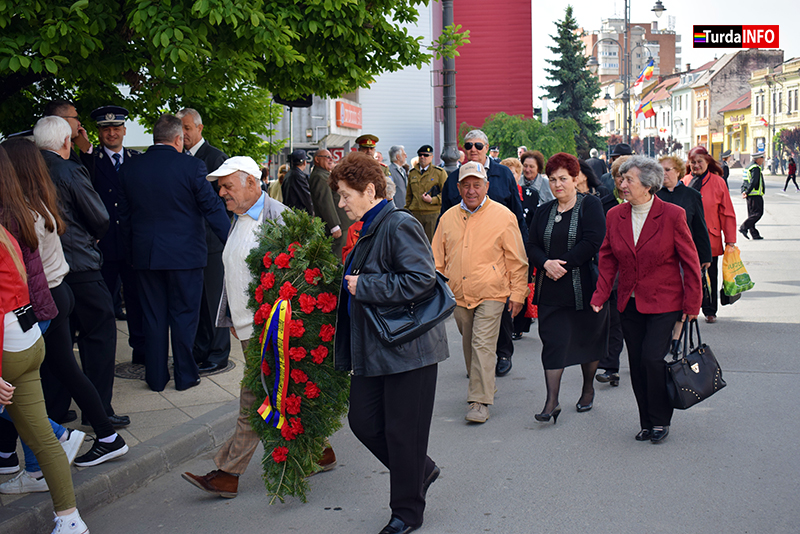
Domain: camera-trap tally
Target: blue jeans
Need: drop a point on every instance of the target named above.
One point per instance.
(31, 465)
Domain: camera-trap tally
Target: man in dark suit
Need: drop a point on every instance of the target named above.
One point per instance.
(296, 190)
(103, 163)
(212, 345)
(164, 198)
(322, 198)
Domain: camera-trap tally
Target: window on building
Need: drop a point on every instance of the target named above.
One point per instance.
(705, 109)
(698, 110)
(795, 99)
(755, 107)
(780, 103)
(774, 100)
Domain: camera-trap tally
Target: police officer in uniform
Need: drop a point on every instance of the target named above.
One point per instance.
(103, 163)
(753, 192)
(424, 193)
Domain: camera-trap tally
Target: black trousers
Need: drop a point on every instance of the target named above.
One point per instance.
(119, 270)
(391, 415)
(60, 365)
(212, 344)
(171, 306)
(647, 337)
(713, 278)
(505, 345)
(755, 210)
(793, 178)
(611, 360)
(93, 324)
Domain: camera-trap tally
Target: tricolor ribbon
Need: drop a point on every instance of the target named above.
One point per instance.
(275, 339)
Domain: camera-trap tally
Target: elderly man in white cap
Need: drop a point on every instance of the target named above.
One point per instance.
(239, 186)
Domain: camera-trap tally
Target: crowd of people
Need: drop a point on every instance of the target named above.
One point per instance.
(596, 253)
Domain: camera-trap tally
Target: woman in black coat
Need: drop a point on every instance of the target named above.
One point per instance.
(392, 388)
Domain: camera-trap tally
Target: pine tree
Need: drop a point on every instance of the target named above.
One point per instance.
(575, 88)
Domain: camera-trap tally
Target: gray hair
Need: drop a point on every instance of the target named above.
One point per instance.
(651, 173)
(167, 128)
(477, 134)
(198, 120)
(391, 188)
(51, 132)
(593, 153)
(394, 151)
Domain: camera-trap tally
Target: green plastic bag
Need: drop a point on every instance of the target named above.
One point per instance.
(734, 276)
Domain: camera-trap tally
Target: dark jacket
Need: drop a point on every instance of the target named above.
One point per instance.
(598, 166)
(42, 301)
(322, 198)
(165, 197)
(213, 158)
(692, 203)
(83, 212)
(502, 188)
(297, 191)
(398, 269)
(590, 233)
(105, 181)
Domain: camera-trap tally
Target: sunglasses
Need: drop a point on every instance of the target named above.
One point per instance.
(479, 146)
(424, 155)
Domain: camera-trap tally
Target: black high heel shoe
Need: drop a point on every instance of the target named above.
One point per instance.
(545, 417)
(584, 407)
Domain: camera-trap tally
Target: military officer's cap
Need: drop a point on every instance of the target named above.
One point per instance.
(110, 116)
(367, 141)
(494, 148)
(425, 149)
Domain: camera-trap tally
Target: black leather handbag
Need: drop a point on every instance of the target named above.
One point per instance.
(396, 324)
(694, 374)
(706, 285)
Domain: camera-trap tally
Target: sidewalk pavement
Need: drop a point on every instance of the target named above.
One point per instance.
(167, 428)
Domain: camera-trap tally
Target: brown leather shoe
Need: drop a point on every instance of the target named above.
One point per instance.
(216, 482)
(327, 462)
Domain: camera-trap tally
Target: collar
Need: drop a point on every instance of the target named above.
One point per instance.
(488, 162)
(425, 169)
(465, 208)
(255, 210)
(111, 153)
(196, 147)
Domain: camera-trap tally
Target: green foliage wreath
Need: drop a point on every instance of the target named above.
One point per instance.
(294, 261)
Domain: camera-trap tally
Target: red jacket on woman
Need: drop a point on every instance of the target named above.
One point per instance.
(651, 268)
(718, 210)
(13, 291)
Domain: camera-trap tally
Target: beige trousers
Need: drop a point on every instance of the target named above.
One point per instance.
(479, 329)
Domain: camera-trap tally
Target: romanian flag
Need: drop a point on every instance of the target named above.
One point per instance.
(648, 110)
(763, 121)
(646, 74)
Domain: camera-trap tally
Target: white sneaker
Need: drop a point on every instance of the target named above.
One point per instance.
(70, 524)
(24, 483)
(73, 443)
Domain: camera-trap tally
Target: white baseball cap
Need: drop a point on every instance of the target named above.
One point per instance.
(236, 163)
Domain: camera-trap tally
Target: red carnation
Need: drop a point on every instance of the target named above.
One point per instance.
(280, 454)
(307, 303)
(326, 302)
(313, 276)
(287, 291)
(292, 248)
(319, 354)
(288, 432)
(297, 353)
(296, 328)
(298, 376)
(263, 313)
(282, 261)
(326, 332)
(297, 426)
(265, 368)
(312, 391)
(293, 404)
(267, 280)
(260, 294)
(268, 260)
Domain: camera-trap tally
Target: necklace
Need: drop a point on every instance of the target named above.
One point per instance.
(558, 216)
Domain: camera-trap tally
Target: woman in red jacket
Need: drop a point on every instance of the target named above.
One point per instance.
(20, 388)
(648, 243)
(706, 177)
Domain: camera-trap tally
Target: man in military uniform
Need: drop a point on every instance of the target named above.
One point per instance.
(753, 193)
(366, 144)
(425, 184)
(103, 163)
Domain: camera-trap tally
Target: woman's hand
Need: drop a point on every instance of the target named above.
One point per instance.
(352, 282)
(705, 265)
(554, 269)
(596, 308)
(730, 246)
(6, 392)
(690, 317)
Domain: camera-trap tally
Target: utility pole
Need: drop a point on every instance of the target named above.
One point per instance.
(450, 149)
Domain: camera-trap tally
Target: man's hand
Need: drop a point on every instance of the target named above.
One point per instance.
(514, 308)
(426, 198)
(744, 195)
(233, 332)
(337, 233)
(554, 269)
(82, 141)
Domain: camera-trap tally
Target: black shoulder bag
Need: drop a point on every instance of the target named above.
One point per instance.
(400, 323)
(694, 375)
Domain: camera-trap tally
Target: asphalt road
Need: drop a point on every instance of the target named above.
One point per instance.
(730, 464)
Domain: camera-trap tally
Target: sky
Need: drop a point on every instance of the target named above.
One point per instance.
(589, 14)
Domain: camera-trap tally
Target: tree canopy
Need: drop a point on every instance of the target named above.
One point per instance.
(511, 131)
(173, 53)
(575, 89)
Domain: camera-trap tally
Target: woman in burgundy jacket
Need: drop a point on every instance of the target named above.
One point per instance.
(649, 244)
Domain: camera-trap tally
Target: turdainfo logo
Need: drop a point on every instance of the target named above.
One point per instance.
(736, 37)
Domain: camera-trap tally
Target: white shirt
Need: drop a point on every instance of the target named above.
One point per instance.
(51, 252)
(196, 146)
(111, 154)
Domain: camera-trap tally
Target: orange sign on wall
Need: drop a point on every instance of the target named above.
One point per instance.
(348, 115)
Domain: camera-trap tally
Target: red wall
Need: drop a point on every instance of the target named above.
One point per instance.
(494, 71)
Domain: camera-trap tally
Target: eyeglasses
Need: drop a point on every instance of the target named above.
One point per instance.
(70, 117)
(479, 146)
(326, 157)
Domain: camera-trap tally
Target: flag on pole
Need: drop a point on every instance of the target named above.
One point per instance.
(648, 110)
(763, 121)
(638, 112)
(646, 74)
